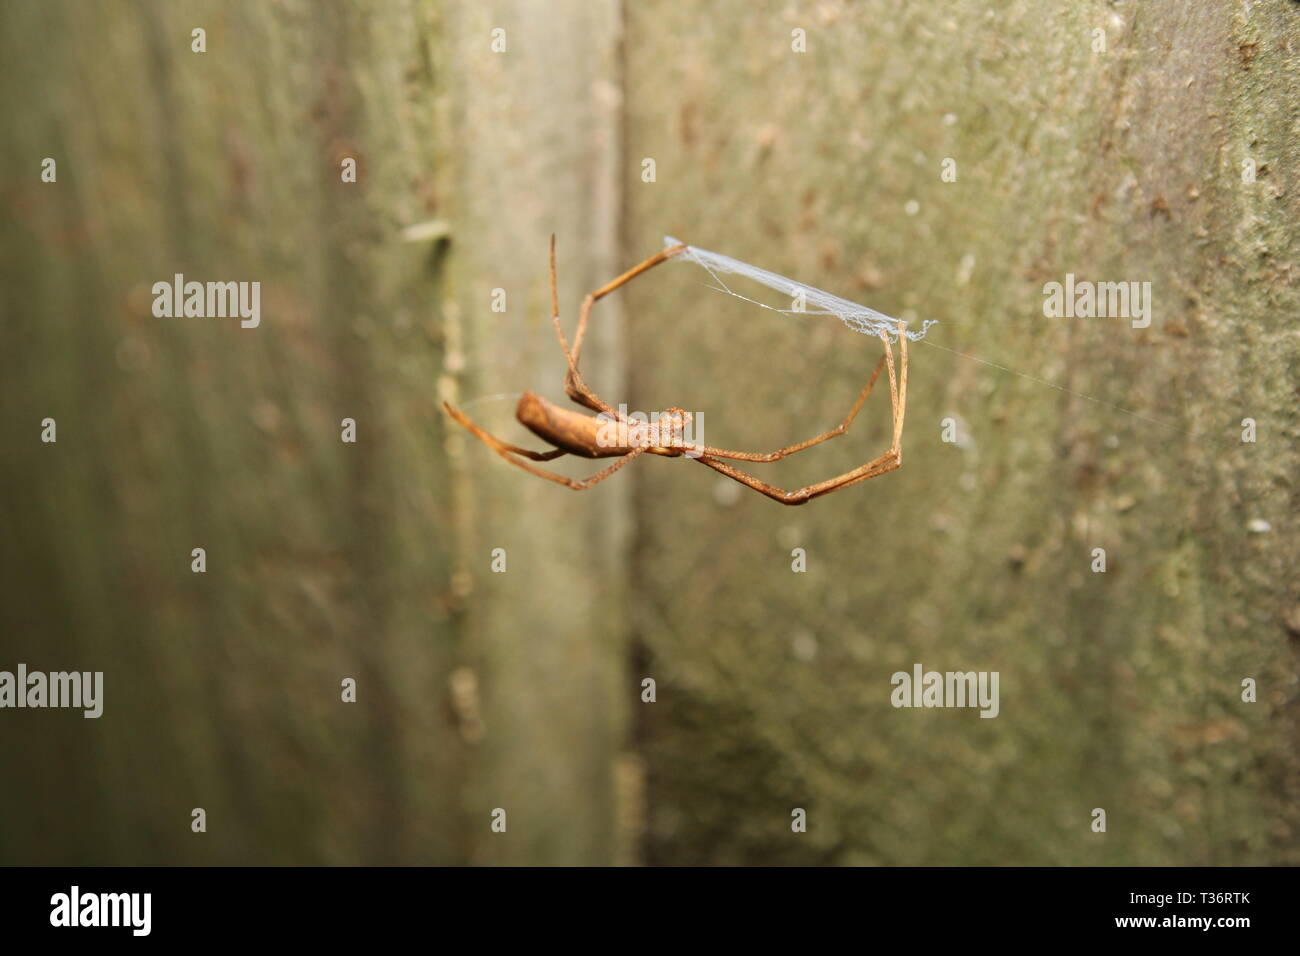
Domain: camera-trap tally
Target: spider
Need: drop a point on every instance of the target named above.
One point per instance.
(575, 433)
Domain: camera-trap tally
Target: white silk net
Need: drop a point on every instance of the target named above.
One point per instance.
(859, 318)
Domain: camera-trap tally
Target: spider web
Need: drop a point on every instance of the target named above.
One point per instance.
(859, 318)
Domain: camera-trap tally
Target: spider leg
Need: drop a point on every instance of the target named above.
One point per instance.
(497, 443)
(900, 409)
(574, 386)
(592, 298)
(878, 466)
(579, 393)
(839, 429)
(511, 454)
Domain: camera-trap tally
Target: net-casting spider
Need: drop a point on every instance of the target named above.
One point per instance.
(574, 433)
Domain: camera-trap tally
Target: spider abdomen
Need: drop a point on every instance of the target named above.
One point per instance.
(576, 433)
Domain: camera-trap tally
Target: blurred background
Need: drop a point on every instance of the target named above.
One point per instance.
(1102, 139)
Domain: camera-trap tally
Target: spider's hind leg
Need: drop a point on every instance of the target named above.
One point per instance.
(514, 455)
(497, 444)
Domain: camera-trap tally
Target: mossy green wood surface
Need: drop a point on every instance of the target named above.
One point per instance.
(324, 560)
(1118, 690)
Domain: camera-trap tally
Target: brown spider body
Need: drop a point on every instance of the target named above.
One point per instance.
(589, 436)
(612, 434)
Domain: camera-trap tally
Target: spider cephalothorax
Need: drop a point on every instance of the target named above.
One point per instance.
(663, 433)
(612, 433)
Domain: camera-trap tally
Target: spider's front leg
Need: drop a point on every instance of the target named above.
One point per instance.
(574, 386)
(872, 469)
(878, 466)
